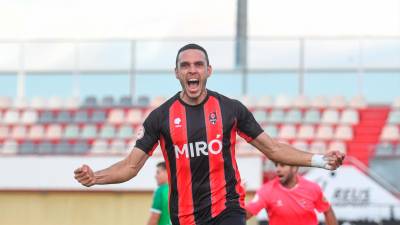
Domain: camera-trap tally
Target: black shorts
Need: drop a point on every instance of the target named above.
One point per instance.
(230, 216)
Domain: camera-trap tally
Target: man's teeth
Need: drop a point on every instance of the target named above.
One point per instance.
(193, 81)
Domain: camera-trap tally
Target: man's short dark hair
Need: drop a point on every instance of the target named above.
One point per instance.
(162, 165)
(191, 46)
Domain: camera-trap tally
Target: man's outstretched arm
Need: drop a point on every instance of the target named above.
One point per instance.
(121, 171)
(330, 218)
(286, 154)
(154, 218)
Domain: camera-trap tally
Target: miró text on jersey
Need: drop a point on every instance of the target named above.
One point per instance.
(198, 148)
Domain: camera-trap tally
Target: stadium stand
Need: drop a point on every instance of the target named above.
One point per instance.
(293, 116)
(134, 116)
(330, 116)
(306, 132)
(65, 126)
(349, 116)
(260, 115)
(282, 102)
(396, 103)
(319, 102)
(301, 102)
(55, 103)
(264, 102)
(107, 102)
(271, 130)
(287, 132)
(358, 102)
(277, 116)
(125, 101)
(338, 102)
(312, 116)
(338, 145)
(386, 158)
(108, 126)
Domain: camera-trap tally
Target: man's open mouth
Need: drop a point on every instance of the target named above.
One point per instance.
(193, 83)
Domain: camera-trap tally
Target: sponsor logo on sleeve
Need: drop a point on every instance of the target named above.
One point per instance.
(140, 133)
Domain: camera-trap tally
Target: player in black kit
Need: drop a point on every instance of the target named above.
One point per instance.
(196, 130)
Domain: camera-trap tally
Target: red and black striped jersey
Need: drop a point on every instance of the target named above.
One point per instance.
(198, 145)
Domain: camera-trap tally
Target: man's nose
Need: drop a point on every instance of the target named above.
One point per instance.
(192, 68)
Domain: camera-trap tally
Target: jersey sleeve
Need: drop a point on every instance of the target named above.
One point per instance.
(256, 204)
(321, 203)
(157, 201)
(149, 134)
(248, 128)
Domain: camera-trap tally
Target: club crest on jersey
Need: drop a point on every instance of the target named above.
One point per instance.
(213, 118)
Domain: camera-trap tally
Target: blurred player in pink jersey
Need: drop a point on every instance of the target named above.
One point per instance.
(291, 199)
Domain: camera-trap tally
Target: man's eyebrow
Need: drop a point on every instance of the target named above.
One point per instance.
(196, 63)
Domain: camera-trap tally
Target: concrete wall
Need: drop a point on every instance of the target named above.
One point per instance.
(56, 173)
(76, 208)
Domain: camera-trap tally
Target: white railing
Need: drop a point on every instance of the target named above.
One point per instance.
(266, 55)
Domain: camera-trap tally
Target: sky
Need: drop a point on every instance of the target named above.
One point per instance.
(193, 20)
(139, 19)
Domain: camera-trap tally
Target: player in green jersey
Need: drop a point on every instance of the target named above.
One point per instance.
(159, 209)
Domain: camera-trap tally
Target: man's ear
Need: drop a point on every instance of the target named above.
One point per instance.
(176, 73)
(209, 70)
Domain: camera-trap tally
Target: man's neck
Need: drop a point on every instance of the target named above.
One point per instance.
(292, 183)
(193, 101)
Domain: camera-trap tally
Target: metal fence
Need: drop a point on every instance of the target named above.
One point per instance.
(307, 65)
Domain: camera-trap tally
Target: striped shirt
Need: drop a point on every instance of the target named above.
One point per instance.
(198, 145)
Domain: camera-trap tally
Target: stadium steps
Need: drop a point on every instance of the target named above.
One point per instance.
(367, 132)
